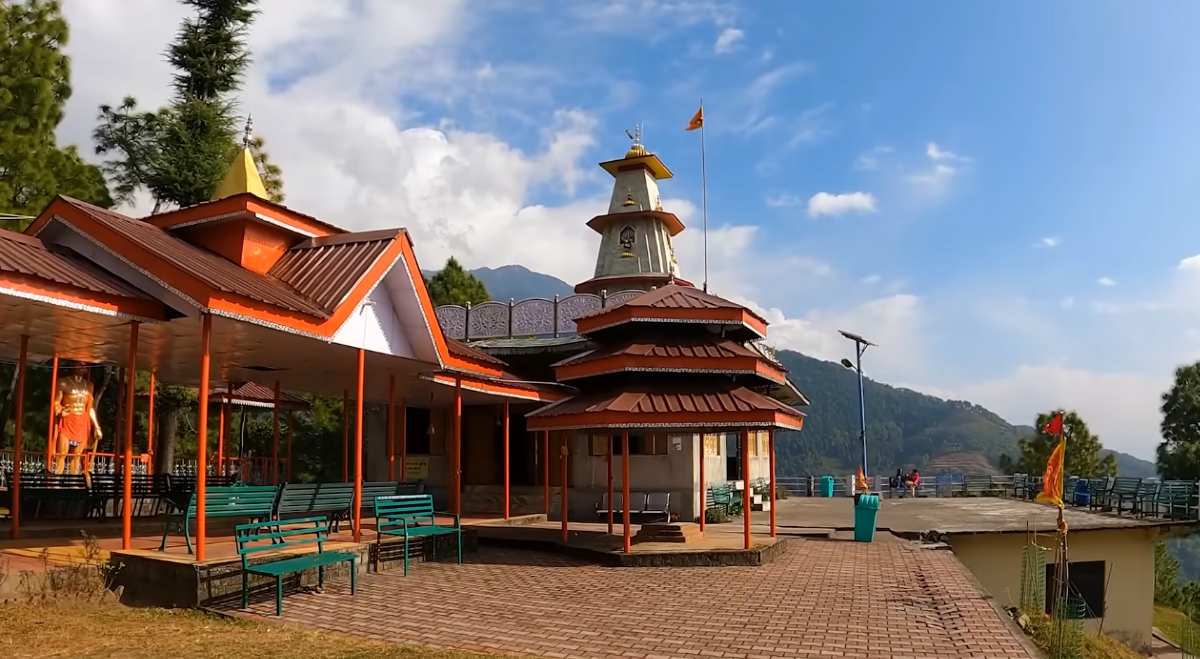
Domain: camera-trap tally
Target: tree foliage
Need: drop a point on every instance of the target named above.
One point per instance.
(454, 285)
(1179, 452)
(181, 152)
(1085, 455)
(34, 87)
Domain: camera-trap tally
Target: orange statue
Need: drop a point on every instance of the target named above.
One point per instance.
(75, 410)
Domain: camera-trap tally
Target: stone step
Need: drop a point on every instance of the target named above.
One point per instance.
(680, 533)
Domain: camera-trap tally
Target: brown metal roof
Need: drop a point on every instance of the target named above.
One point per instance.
(26, 255)
(460, 349)
(257, 395)
(709, 348)
(693, 397)
(675, 296)
(210, 268)
(326, 269)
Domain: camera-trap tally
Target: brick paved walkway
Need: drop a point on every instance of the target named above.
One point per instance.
(821, 599)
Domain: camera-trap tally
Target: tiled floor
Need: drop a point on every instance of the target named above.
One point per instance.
(822, 598)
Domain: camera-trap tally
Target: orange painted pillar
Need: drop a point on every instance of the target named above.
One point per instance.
(391, 428)
(608, 461)
(746, 489)
(18, 441)
(150, 393)
(202, 439)
(127, 462)
(771, 494)
(345, 435)
(625, 488)
(507, 475)
(403, 439)
(221, 417)
(275, 436)
(291, 424)
(703, 491)
(546, 470)
(358, 443)
(564, 509)
(50, 434)
(457, 446)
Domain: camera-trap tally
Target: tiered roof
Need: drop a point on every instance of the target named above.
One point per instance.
(673, 357)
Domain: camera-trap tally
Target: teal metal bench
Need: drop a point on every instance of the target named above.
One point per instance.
(304, 499)
(410, 516)
(1123, 489)
(284, 537)
(253, 502)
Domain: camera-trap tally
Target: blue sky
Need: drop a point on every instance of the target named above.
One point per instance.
(1003, 194)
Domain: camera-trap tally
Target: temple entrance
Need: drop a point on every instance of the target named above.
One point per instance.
(483, 448)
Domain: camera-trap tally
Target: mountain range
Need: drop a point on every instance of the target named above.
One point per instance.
(905, 428)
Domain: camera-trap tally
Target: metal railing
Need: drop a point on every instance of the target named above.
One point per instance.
(535, 316)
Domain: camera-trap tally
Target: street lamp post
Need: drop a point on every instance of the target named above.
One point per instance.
(860, 346)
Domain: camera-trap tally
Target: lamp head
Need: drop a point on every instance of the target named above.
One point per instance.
(848, 364)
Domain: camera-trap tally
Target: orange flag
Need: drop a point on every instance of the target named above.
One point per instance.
(1052, 480)
(860, 481)
(697, 120)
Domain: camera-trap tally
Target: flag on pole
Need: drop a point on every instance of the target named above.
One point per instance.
(1052, 480)
(860, 481)
(697, 120)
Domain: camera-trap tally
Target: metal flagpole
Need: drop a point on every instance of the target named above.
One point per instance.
(704, 194)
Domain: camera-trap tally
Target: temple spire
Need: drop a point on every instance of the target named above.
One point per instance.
(242, 175)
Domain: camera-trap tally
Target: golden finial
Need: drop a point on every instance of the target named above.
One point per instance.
(248, 132)
(635, 135)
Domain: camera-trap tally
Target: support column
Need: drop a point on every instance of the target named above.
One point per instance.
(14, 515)
(507, 474)
(291, 425)
(275, 437)
(564, 509)
(51, 439)
(127, 462)
(703, 489)
(222, 418)
(403, 438)
(546, 471)
(608, 463)
(771, 495)
(390, 442)
(457, 468)
(745, 489)
(202, 439)
(358, 443)
(150, 394)
(345, 435)
(625, 489)
(227, 423)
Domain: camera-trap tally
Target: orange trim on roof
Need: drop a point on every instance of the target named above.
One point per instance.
(626, 313)
(70, 296)
(414, 273)
(611, 419)
(531, 392)
(619, 363)
(242, 203)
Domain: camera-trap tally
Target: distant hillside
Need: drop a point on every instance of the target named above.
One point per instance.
(1129, 465)
(518, 282)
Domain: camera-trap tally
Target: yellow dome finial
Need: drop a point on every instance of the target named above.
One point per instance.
(242, 175)
(635, 135)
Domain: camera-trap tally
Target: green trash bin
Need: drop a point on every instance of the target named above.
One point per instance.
(825, 487)
(866, 509)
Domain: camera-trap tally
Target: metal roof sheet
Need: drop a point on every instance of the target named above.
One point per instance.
(715, 397)
(210, 268)
(29, 256)
(326, 269)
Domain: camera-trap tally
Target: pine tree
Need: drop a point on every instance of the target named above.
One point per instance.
(34, 87)
(1083, 449)
(454, 285)
(180, 153)
(1179, 452)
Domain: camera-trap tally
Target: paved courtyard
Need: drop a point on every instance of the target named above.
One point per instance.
(822, 598)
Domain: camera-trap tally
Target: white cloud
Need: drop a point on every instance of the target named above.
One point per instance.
(1122, 408)
(869, 160)
(1190, 264)
(1106, 281)
(824, 203)
(728, 40)
(871, 279)
(783, 200)
(1067, 302)
(938, 154)
(942, 167)
(1048, 242)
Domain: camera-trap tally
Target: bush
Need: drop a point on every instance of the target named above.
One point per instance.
(716, 516)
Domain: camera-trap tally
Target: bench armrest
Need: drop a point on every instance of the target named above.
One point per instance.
(447, 513)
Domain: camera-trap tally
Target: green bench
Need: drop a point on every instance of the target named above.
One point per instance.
(981, 486)
(410, 516)
(252, 502)
(305, 499)
(283, 538)
(1176, 495)
(1123, 489)
(1145, 497)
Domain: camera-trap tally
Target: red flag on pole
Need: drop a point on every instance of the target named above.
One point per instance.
(1052, 480)
(697, 120)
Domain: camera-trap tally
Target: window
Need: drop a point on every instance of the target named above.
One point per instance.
(712, 445)
(416, 430)
(1086, 582)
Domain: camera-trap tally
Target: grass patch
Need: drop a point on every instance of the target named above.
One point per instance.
(1170, 622)
(90, 628)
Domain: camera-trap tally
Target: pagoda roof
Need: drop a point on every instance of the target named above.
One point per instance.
(670, 220)
(674, 355)
(675, 303)
(691, 405)
(253, 394)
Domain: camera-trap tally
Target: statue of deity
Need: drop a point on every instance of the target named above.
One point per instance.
(75, 410)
